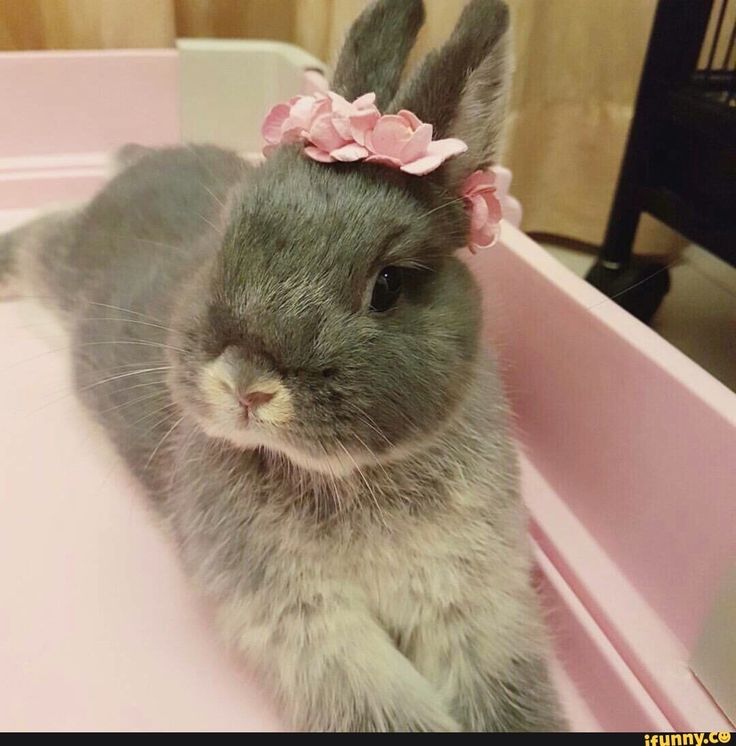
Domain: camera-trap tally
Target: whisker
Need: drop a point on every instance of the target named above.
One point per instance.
(92, 303)
(140, 342)
(370, 490)
(125, 375)
(635, 285)
(101, 305)
(159, 382)
(99, 318)
(182, 457)
(373, 454)
(368, 420)
(162, 244)
(138, 239)
(70, 393)
(210, 223)
(72, 346)
(442, 206)
(121, 369)
(337, 499)
(202, 162)
(161, 442)
(126, 310)
(65, 348)
(214, 196)
(154, 395)
(155, 412)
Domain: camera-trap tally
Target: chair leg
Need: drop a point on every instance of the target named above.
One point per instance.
(636, 283)
(639, 286)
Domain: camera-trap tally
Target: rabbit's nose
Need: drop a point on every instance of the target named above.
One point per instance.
(251, 400)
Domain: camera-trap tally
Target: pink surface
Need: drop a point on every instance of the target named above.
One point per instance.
(614, 696)
(86, 101)
(652, 436)
(637, 446)
(63, 112)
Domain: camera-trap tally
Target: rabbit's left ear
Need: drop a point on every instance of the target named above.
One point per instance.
(375, 49)
(461, 89)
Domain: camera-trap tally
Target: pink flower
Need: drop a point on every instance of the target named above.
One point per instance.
(479, 193)
(403, 141)
(332, 128)
(289, 122)
(338, 132)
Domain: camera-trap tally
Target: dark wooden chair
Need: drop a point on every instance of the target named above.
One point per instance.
(680, 160)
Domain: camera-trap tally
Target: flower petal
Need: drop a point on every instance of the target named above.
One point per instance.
(446, 148)
(418, 144)
(271, 127)
(302, 111)
(291, 133)
(479, 213)
(477, 182)
(362, 122)
(389, 136)
(486, 238)
(339, 104)
(322, 105)
(384, 160)
(414, 121)
(423, 165)
(350, 152)
(323, 134)
(472, 183)
(342, 125)
(364, 101)
(494, 207)
(484, 208)
(318, 155)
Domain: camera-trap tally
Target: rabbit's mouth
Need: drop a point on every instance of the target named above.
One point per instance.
(257, 412)
(249, 434)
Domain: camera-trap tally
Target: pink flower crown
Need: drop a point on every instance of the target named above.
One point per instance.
(335, 130)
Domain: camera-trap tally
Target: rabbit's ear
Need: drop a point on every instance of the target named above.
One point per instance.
(375, 50)
(461, 89)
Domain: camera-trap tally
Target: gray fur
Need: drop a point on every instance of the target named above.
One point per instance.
(376, 48)
(369, 557)
(462, 87)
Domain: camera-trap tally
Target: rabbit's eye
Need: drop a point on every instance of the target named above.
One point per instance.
(387, 289)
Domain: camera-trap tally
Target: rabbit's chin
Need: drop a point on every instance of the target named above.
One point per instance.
(340, 464)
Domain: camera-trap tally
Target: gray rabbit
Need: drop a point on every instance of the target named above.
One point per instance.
(288, 358)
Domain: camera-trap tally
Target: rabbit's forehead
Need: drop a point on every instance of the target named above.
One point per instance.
(309, 201)
(298, 237)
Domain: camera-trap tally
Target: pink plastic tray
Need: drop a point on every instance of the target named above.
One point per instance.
(628, 453)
